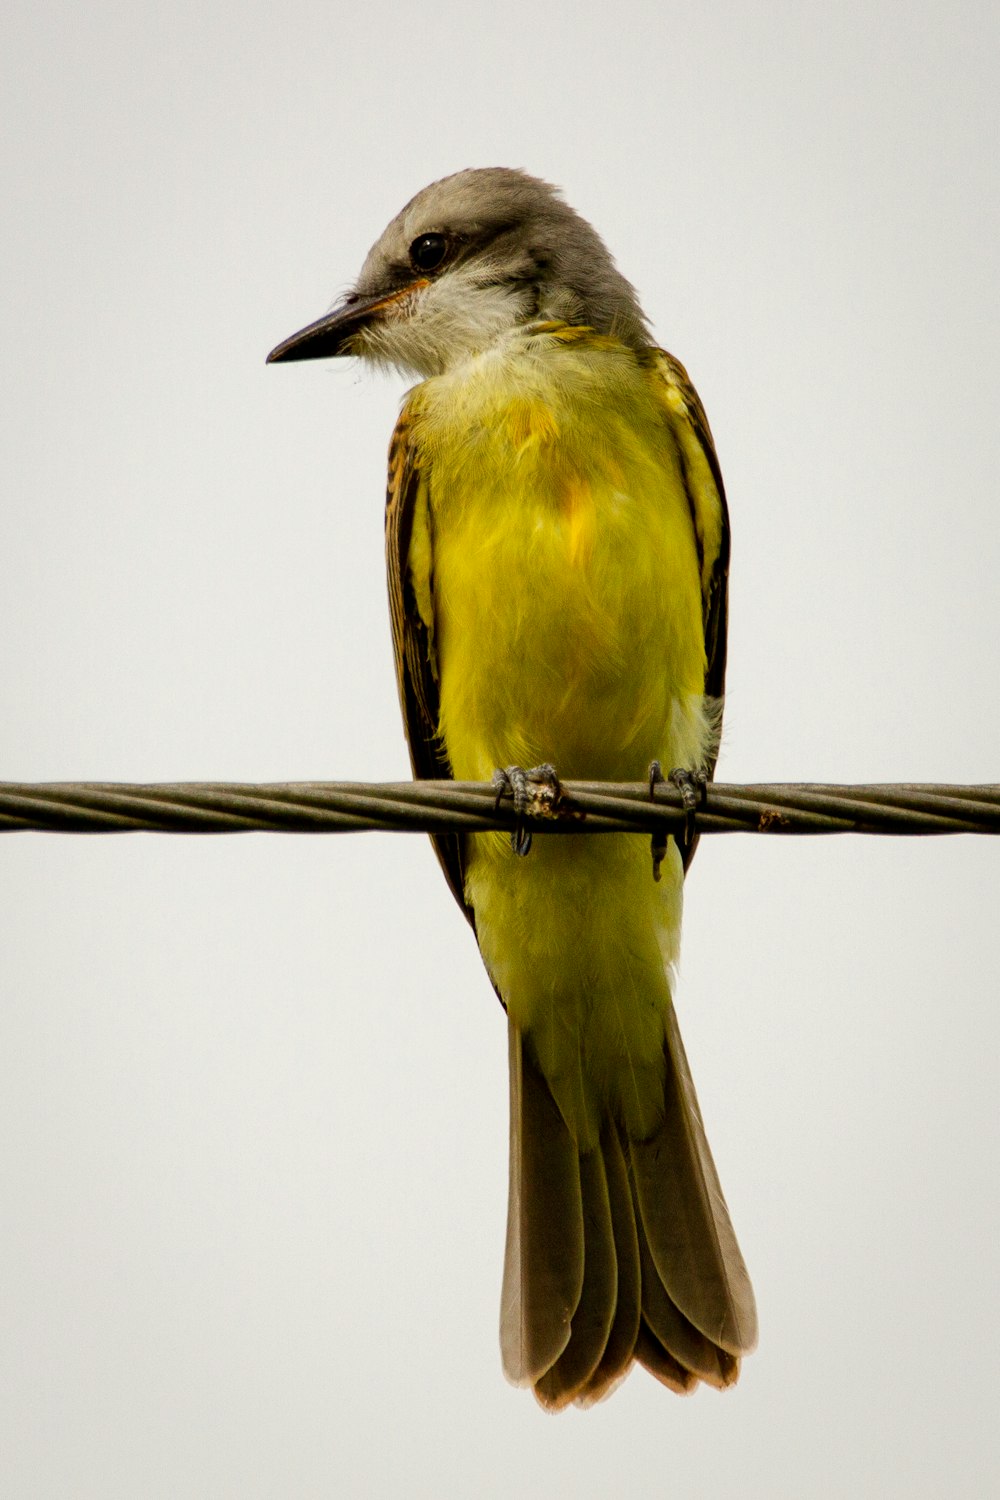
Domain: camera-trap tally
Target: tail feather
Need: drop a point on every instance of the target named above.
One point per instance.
(595, 1312)
(617, 1357)
(543, 1264)
(684, 1215)
(625, 1252)
(677, 1336)
(668, 1371)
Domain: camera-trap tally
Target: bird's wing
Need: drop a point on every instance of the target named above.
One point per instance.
(707, 499)
(410, 574)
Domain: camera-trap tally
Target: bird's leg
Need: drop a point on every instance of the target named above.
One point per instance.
(658, 843)
(513, 782)
(536, 791)
(692, 786)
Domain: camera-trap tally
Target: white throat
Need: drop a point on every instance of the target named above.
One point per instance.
(446, 323)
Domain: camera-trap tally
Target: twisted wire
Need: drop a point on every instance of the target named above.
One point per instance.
(461, 807)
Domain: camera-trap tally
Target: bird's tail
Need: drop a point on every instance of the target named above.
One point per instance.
(623, 1252)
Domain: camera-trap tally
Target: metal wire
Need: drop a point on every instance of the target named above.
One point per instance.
(461, 807)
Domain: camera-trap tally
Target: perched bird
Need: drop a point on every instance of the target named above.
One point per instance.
(558, 550)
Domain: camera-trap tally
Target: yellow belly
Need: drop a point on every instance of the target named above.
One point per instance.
(567, 624)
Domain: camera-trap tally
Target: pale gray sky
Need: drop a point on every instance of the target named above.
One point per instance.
(253, 1091)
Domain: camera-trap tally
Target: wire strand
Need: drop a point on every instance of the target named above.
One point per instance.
(464, 807)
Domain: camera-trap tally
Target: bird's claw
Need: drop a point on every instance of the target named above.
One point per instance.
(658, 842)
(692, 787)
(536, 792)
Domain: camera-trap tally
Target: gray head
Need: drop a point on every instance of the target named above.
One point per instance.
(468, 260)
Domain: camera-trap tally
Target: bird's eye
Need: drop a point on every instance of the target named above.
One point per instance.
(428, 251)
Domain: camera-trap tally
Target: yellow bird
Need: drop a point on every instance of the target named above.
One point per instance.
(558, 550)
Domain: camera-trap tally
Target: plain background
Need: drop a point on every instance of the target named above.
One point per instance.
(252, 1090)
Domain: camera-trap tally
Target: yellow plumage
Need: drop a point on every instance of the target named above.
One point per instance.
(555, 565)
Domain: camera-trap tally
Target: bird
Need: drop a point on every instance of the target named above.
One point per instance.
(557, 543)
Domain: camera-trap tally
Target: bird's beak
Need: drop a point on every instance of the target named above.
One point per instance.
(333, 334)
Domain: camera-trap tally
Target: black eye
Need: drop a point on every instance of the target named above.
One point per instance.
(428, 251)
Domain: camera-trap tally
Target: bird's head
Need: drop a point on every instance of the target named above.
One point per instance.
(468, 260)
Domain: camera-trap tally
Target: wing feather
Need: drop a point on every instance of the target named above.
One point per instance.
(412, 640)
(707, 499)
(706, 495)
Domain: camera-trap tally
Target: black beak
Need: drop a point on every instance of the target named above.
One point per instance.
(332, 336)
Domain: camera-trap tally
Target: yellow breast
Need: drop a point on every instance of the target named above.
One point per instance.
(561, 565)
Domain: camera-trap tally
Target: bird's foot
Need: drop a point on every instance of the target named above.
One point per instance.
(658, 842)
(536, 792)
(692, 786)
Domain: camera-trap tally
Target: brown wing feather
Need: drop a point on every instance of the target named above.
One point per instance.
(415, 677)
(715, 583)
(689, 424)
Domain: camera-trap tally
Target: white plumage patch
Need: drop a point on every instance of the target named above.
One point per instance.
(450, 319)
